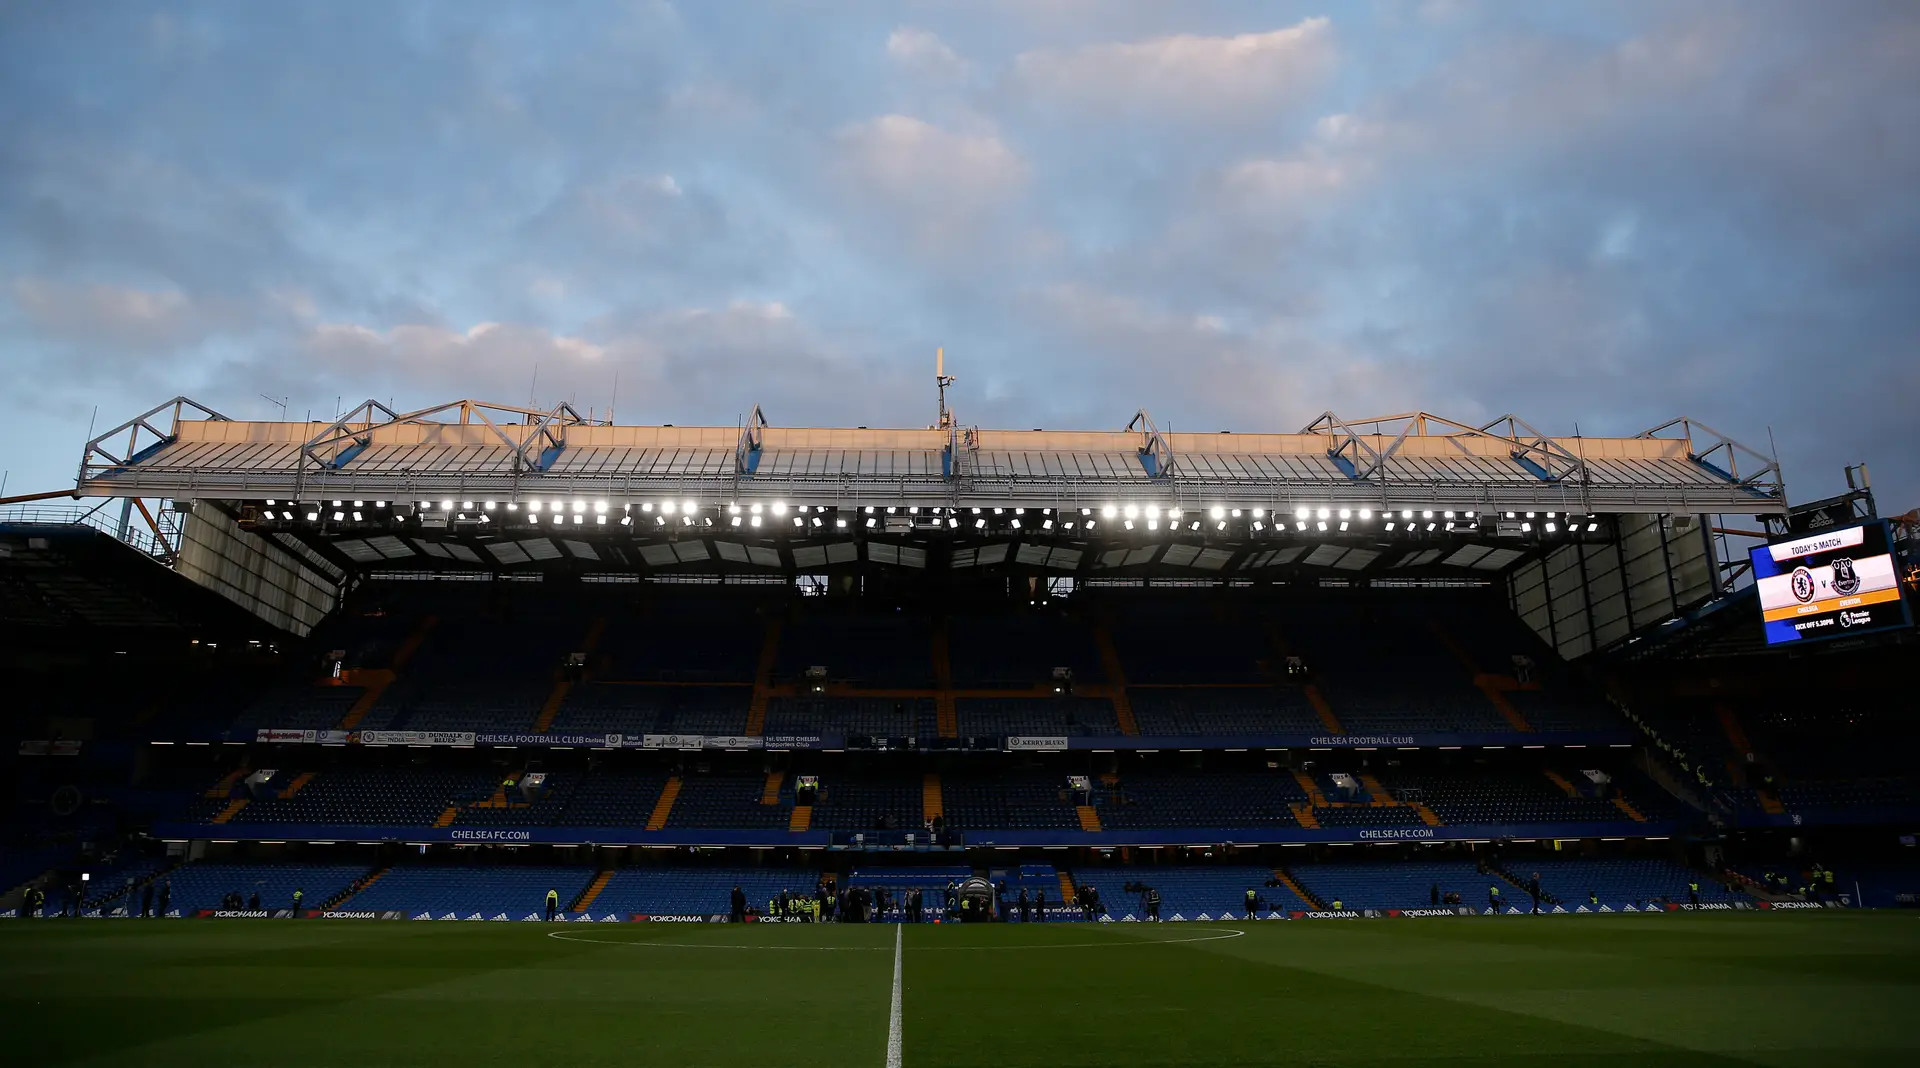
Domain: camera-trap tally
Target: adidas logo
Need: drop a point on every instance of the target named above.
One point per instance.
(1203, 916)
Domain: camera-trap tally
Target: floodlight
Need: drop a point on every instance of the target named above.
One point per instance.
(579, 507)
(1553, 528)
(979, 524)
(779, 508)
(1320, 525)
(338, 516)
(488, 506)
(1128, 523)
(599, 508)
(1526, 528)
(1323, 513)
(1366, 514)
(1109, 512)
(755, 520)
(1216, 512)
(1301, 513)
(445, 506)
(689, 507)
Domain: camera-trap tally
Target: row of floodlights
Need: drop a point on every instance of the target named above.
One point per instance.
(561, 512)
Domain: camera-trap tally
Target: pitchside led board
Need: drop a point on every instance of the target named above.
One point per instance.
(1826, 585)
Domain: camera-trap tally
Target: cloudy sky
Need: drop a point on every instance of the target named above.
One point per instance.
(1236, 215)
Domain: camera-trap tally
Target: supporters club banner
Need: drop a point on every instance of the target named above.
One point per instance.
(1038, 744)
(417, 737)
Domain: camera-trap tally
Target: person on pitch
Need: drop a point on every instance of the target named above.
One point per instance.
(553, 904)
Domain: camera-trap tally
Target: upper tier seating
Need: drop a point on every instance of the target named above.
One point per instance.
(881, 649)
(1079, 716)
(1201, 711)
(681, 639)
(1016, 651)
(617, 708)
(875, 717)
(300, 706)
(1172, 641)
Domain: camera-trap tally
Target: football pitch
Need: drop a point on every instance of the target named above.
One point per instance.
(1797, 990)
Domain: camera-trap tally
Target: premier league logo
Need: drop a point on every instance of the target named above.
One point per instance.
(1846, 581)
(1802, 585)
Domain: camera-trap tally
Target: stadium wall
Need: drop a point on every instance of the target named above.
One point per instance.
(1584, 596)
(285, 585)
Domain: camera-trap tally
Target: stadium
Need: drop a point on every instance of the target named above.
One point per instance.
(1119, 747)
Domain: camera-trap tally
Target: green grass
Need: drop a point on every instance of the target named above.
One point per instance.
(1818, 989)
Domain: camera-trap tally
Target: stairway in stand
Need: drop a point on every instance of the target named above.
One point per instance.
(932, 802)
(233, 809)
(770, 793)
(563, 685)
(585, 900)
(1495, 687)
(946, 714)
(1286, 879)
(377, 680)
(358, 885)
(763, 679)
(1116, 679)
(663, 808)
(1278, 639)
(1089, 819)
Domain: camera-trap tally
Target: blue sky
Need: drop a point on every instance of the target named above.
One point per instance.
(1236, 215)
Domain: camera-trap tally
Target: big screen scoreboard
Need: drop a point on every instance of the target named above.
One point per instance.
(1826, 585)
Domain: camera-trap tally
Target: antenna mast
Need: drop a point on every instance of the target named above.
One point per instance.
(942, 379)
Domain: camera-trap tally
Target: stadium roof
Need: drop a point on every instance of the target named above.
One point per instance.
(472, 449)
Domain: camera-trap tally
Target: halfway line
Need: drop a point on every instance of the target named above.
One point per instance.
(893, 1021)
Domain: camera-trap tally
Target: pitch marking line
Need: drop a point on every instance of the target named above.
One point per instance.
(565, 936)
(893, 1020)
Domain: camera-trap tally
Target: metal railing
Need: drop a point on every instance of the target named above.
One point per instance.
(135, 532)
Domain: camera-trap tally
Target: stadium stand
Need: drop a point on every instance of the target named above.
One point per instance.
(696, 891)
(203, 885)
(461, 892)
(1188, 892)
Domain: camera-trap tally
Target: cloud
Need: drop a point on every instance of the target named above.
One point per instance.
(923, 52)
(1244, 76)
(937, 184)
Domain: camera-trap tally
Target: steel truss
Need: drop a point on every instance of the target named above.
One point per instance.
(1336, 462)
